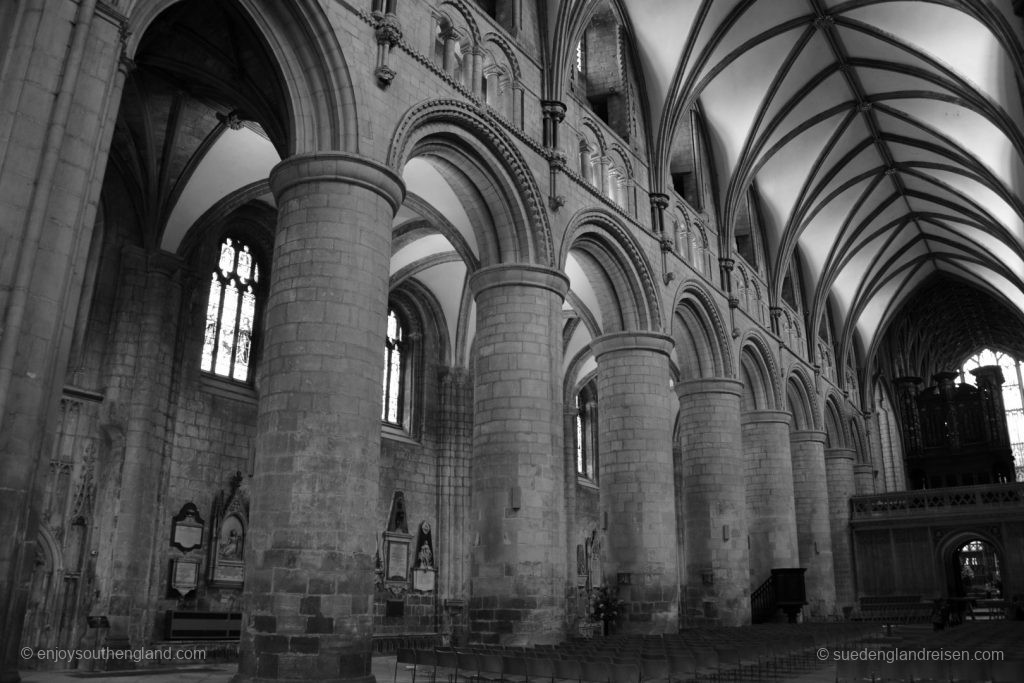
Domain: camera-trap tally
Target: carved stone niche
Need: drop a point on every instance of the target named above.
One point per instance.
(187, 529)
(230, 523)
(424, 571)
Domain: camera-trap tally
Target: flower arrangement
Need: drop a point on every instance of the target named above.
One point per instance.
(605, 604)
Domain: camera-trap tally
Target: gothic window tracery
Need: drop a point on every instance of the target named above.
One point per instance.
(1013, 397)
(231, 313)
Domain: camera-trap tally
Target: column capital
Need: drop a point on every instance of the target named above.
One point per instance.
(626, 342)
(751, 416)
(659, 200)
(519, 275)
(709, 385)
(807, 435)
(840, 454)
(338, 167)
(553, 109)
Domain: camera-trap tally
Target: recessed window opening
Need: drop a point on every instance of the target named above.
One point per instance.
(231, 313)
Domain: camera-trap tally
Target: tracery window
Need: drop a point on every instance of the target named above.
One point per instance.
(1013, 397)
(231, 313)
(394, 371)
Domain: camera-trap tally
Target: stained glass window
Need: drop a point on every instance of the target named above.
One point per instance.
(231, 313)
(394, 371)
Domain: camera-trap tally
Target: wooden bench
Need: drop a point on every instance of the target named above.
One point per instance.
(202, 625)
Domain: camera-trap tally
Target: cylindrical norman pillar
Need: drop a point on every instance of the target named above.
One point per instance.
(518, 574)
(814, 537)
(841, 486)
(771, 510)
(309, 581)
(864, 478)
(716, 574)
(636, 474)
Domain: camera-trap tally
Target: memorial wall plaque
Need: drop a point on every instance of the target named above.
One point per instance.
(187, 529)
(396, 556)
(184, 575)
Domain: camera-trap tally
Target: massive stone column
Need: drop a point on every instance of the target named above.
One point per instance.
(841, 485)
(138, 398)
(636, 475)
(518, 573)
(59, 94)
(771, 510)
(310, 552)
(864, 478)
(717, 565)
(455, 416)
(814, 536)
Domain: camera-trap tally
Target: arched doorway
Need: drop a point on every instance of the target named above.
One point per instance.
(978, 570)
(973, 565)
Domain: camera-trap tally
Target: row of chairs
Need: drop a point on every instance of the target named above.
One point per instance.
(1008, 671)
(970, 642)
(712, 653)
(696, 664)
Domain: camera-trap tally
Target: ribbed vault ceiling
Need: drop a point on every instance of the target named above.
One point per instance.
(960, 316)
(884, 138)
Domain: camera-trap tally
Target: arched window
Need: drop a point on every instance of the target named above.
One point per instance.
(586, 432)
(1013, 396)
(231, 313)
(394, 371)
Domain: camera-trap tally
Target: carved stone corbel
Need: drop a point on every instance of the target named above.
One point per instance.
(388, 32)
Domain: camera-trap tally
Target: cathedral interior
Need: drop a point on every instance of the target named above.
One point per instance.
(335, 324)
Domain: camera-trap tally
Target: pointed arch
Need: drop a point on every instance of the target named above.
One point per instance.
(322, 102)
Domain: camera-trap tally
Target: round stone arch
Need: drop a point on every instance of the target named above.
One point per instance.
(858, 439)
(506, 49)
(462, 11)
(759, 373)
(452, 129)
(800, 401)
(322, 102)
(835, 428)
(605, 238)
(702, 344)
